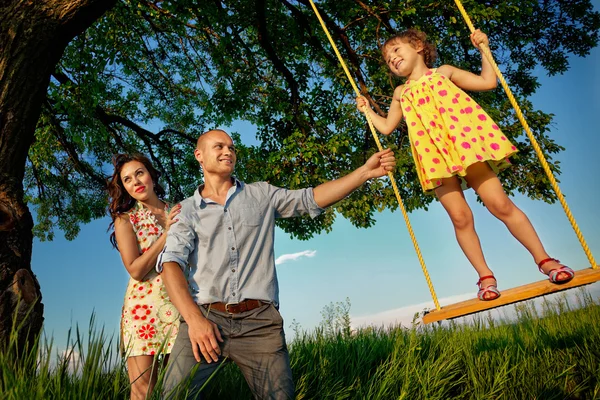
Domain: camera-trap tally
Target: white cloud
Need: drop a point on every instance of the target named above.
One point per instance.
(73, 360)
(294, 256)
(403, 315)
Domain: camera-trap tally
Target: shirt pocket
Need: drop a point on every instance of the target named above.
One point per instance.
(251, 215)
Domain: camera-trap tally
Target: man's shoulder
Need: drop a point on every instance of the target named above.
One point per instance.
(255, 185)
(262, 187)
(188, 203)
(258, 191)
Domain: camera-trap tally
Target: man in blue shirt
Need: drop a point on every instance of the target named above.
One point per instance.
(219, 270)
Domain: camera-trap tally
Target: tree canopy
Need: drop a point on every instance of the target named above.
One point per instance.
(150, 76)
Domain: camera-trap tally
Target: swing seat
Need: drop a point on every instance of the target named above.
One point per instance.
(514, 295)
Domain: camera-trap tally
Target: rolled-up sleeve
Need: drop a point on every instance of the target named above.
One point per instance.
(180, 243)
(293, 203)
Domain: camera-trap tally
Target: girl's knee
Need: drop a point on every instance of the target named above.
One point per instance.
(502, 208)
(462, 218)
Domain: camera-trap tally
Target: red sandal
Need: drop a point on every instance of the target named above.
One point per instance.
(493, 289)
(553, 273)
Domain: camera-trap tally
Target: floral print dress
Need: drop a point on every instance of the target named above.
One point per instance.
(149, 322)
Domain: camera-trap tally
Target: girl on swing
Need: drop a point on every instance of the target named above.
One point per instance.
(456, 145)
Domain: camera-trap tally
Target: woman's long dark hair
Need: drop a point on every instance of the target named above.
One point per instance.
(119, 200)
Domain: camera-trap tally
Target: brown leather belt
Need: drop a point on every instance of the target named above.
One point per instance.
(235, 308)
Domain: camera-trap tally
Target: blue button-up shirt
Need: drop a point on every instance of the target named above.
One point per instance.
(226, 251)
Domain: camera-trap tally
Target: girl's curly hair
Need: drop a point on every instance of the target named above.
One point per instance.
(415, 37)
(119, 200)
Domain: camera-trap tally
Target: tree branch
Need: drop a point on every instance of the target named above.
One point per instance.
(71, 151)
(265, 42)
(343, 39)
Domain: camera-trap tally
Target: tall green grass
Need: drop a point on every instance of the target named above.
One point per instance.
(88, 369)
(552, 353)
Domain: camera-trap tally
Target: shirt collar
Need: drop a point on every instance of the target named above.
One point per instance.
(200, 201)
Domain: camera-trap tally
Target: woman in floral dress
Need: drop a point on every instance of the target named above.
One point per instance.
(149, 322)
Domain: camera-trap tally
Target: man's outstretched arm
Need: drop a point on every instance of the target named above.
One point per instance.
(377, 165)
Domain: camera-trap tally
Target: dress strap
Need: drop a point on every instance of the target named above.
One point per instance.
(406, 87)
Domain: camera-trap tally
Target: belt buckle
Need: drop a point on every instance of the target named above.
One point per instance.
(227, 305)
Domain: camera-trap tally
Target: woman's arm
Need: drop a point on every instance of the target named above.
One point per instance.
(138, 265)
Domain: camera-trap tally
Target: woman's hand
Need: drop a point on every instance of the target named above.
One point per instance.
(172, 217)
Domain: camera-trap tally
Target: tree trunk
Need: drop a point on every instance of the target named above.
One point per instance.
(33, 37)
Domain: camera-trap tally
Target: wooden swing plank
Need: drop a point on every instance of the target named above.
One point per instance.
(509, 296)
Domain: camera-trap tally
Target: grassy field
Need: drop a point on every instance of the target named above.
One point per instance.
(548, 354)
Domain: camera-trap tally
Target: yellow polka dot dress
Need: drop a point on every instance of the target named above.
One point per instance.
(449, 131)
(149, 321)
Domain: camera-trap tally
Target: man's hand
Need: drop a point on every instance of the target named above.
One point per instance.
(204, 335)
(380, 164)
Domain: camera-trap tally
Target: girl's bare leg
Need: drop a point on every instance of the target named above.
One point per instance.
(453, 200)
(485, 182)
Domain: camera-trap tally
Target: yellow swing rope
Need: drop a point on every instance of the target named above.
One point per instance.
(390, 175)
(488, 54)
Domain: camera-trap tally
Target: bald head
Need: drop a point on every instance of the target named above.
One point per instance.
(212, 133)
(215, 152)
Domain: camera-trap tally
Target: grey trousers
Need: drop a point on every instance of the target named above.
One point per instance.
(253, 340)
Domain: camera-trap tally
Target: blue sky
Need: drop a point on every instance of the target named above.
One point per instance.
(376, 268)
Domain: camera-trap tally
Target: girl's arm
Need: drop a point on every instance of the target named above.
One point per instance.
(384, 125)
(467, 80)
(138, 265)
